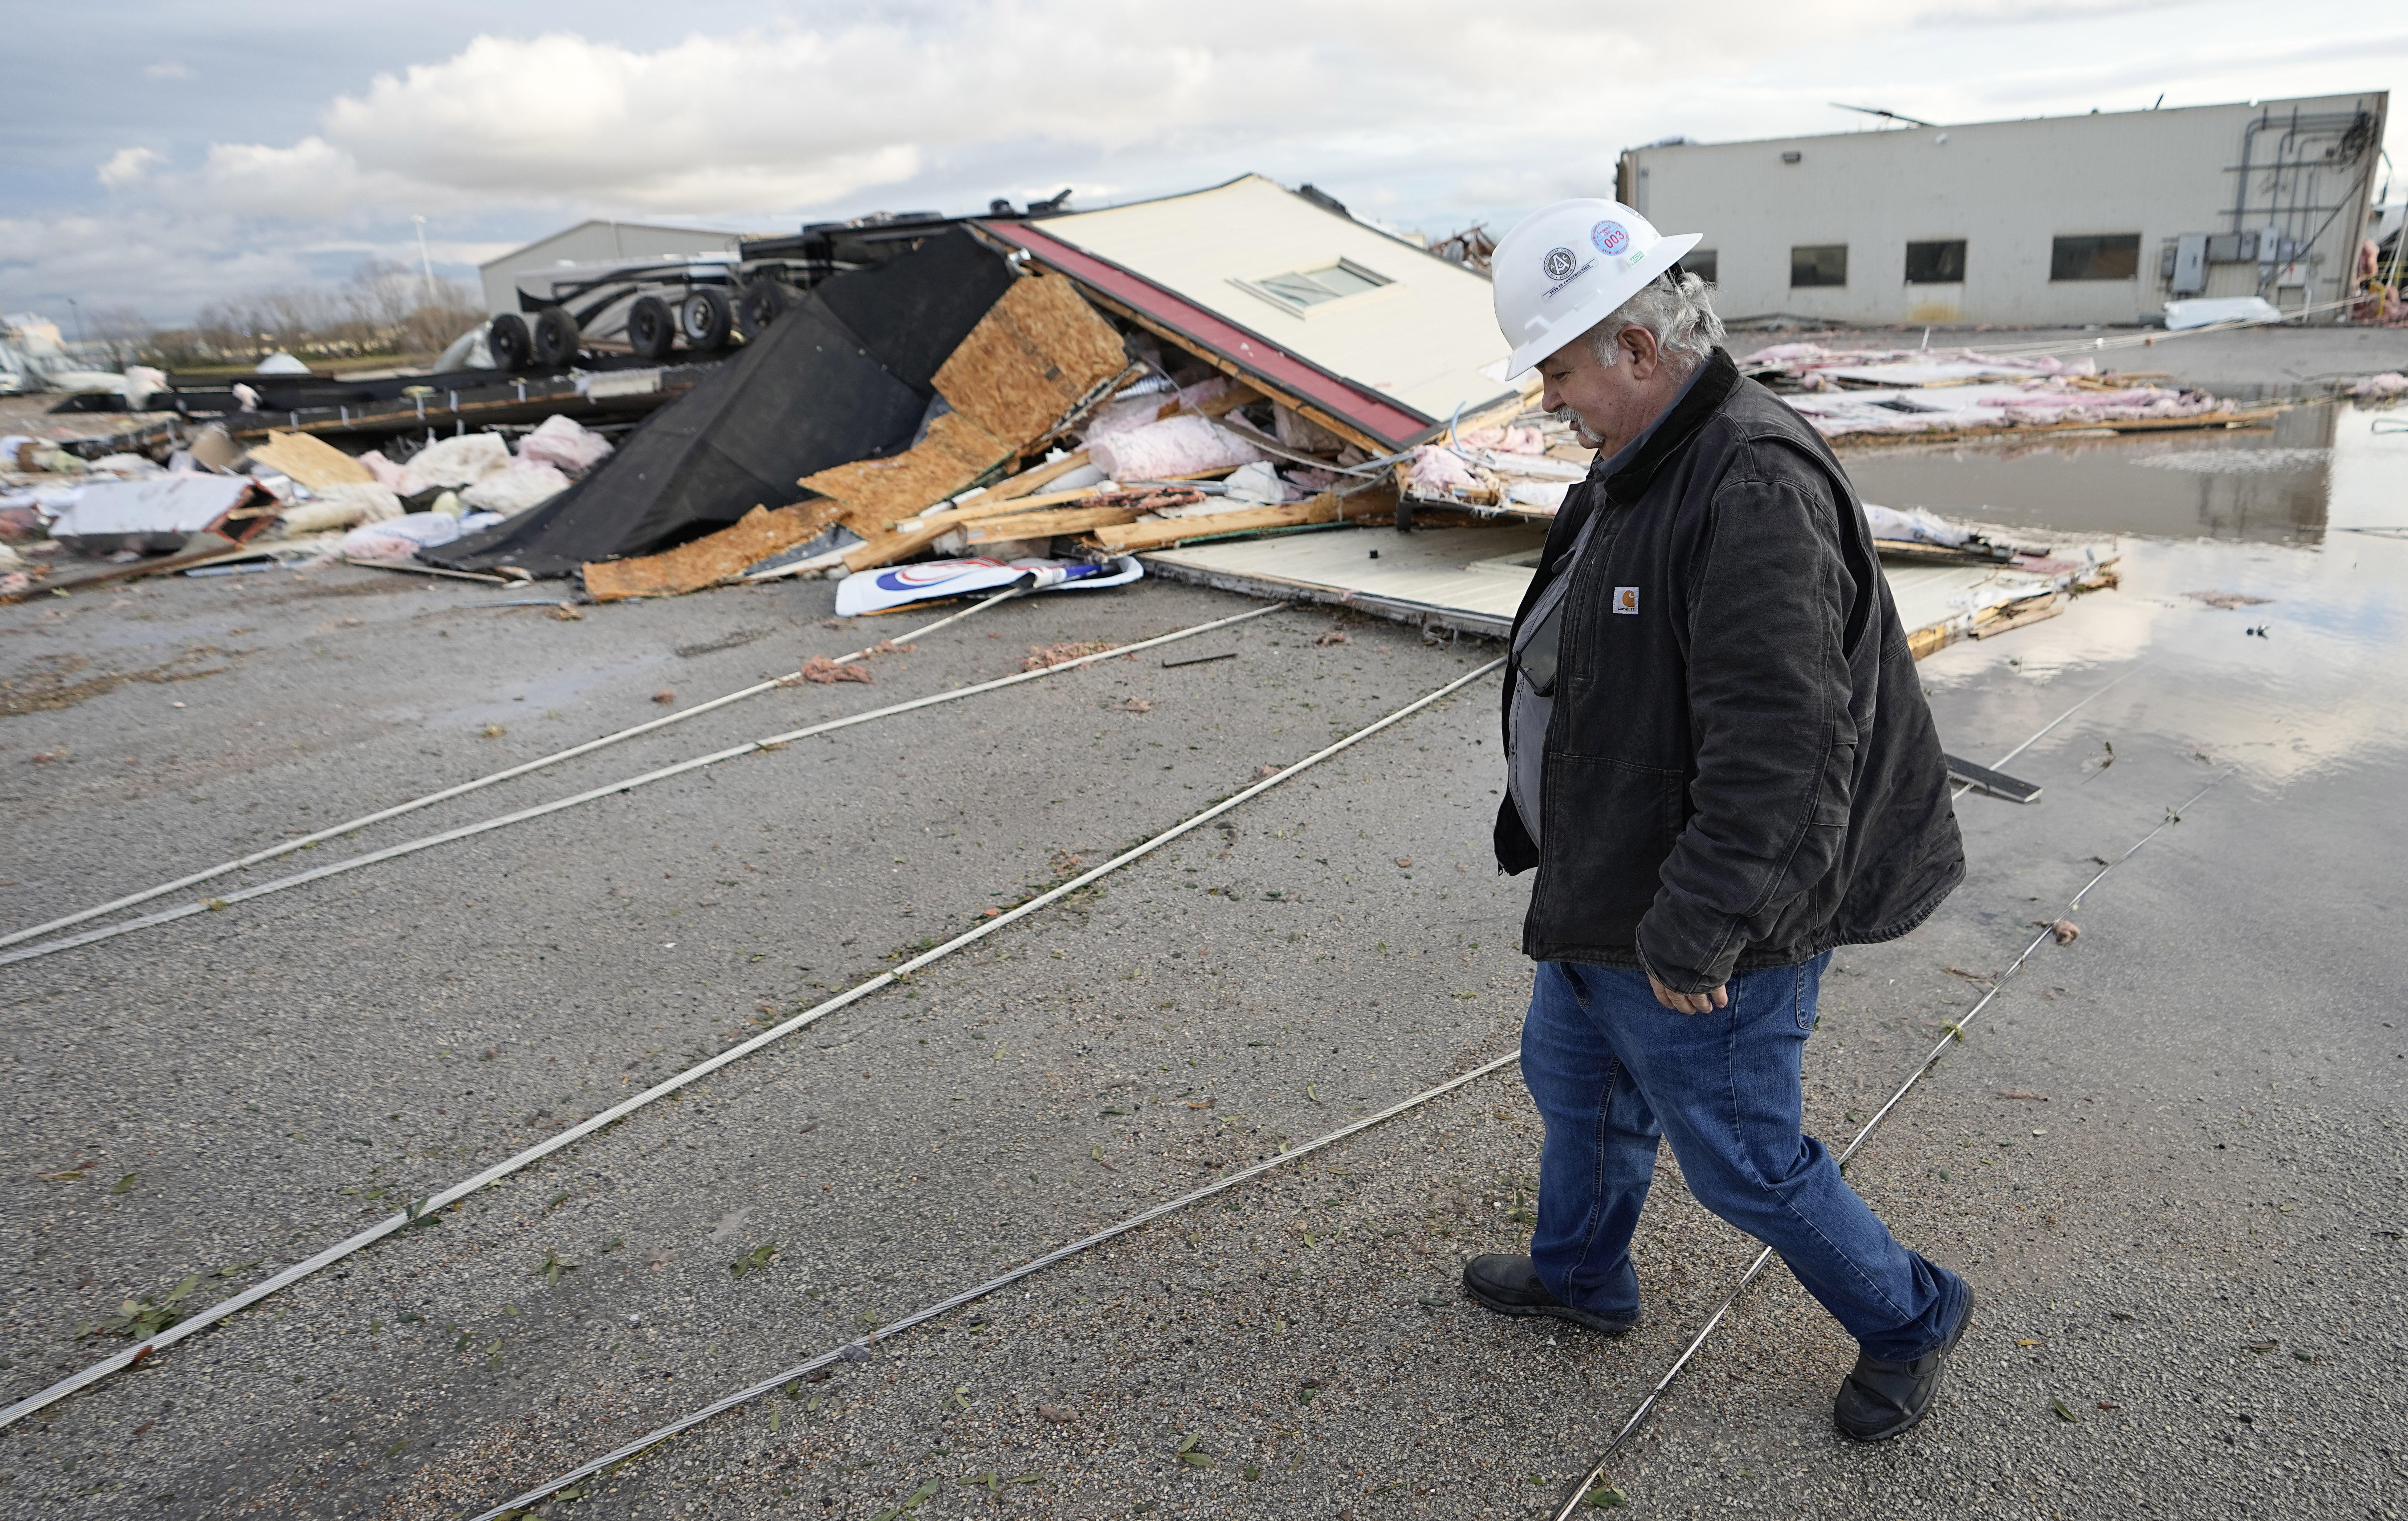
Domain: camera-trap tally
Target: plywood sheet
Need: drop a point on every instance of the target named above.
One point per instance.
(879, 493)
(1038, 354)
(312, 461)
(714, 558)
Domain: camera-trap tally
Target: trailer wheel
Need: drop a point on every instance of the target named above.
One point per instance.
(556, 337)
(706, 320)
(759, 303)
(651, 329)
(509, 339)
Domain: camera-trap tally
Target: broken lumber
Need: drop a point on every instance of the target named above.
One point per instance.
(1028, 481)
(1044, 525)
(1329, 507)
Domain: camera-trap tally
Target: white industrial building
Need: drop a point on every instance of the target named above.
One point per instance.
(2056, 220)
(591, 241)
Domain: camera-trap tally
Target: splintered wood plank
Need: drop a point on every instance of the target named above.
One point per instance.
(1329, 507)
(1043, 525)
(913, 534)
(1028, 481)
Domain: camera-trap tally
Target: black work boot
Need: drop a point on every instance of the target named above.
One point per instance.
(1880, 1399)
(1510, 1286)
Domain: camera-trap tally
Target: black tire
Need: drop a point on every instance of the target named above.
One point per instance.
(705, 319)
(510, 341)
(556, 338)
(651, 329)
(759, 303)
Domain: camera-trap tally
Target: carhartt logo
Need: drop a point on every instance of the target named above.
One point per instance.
(1626, 599)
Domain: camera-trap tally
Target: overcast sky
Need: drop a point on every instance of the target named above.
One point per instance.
(163, 154)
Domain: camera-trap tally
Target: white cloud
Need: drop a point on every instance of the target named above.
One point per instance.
(171, 69)
(1410, 108)
(126, 167)
(786, 117)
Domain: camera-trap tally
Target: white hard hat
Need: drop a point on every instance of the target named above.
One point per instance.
(1562, 270)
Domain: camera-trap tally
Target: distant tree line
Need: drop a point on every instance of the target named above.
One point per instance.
(386, 307)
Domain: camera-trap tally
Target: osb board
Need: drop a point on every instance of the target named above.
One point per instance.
(878, 492)
(1035, 355)
(714, 558)
(312, 461)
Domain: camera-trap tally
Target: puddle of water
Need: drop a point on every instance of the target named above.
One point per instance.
(2313, 469)
(2308, 521)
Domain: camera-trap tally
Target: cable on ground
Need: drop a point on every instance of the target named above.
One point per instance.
(857, 1349)
(305, 841)
(203, 1320)
(629, 783)
(1580, 1492)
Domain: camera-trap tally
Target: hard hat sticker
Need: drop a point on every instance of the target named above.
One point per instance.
(1561, 262)
(1611, 238)
(1626, 599)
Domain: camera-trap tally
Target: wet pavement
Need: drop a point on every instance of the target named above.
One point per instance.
(2170, 1155)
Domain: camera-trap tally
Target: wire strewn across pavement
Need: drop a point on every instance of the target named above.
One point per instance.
(203, 1320)
(304, 841)
(1581, 1491)
(860, 1348)
(185, 911)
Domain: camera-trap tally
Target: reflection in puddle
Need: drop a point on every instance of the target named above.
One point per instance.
(2265, 590)
(2271, 484)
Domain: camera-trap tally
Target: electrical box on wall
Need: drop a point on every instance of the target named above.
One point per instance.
(2190, 264)
(2232, 248)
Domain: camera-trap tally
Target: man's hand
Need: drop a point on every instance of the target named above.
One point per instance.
(1705, 1002)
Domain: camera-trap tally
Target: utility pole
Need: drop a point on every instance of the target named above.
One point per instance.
(425, 265)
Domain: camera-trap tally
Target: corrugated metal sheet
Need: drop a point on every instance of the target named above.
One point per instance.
(1427, 341)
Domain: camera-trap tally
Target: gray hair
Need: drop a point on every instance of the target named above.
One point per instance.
(1681, 315)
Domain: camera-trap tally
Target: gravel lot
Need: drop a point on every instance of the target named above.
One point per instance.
(2169, 1154)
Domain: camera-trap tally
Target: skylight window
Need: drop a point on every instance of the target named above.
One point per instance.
(1302, 290)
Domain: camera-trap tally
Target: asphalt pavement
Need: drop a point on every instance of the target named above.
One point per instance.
(2168, 1153)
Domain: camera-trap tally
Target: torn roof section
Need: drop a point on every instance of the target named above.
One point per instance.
(1357, 329)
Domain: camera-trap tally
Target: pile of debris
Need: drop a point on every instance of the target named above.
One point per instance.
(1052, 391)
(289, 499)
(1953, 393)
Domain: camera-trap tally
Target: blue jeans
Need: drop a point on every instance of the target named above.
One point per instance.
(1613, 1072)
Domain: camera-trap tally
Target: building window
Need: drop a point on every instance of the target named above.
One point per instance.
(1304, 289)
(1818, 263)
(2095, 256)
(1700, 263)
(1936, 263)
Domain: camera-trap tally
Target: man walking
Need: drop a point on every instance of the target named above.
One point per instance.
(1720, 761)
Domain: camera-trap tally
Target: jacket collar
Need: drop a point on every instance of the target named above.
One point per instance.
(1703, 397)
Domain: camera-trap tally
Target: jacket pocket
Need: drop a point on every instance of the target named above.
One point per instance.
(1628, 817)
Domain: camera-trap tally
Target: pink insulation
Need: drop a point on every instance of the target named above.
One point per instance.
(1182, 445)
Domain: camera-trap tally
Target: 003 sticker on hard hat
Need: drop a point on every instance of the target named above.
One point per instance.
(1626, 599)
(1611, 238)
